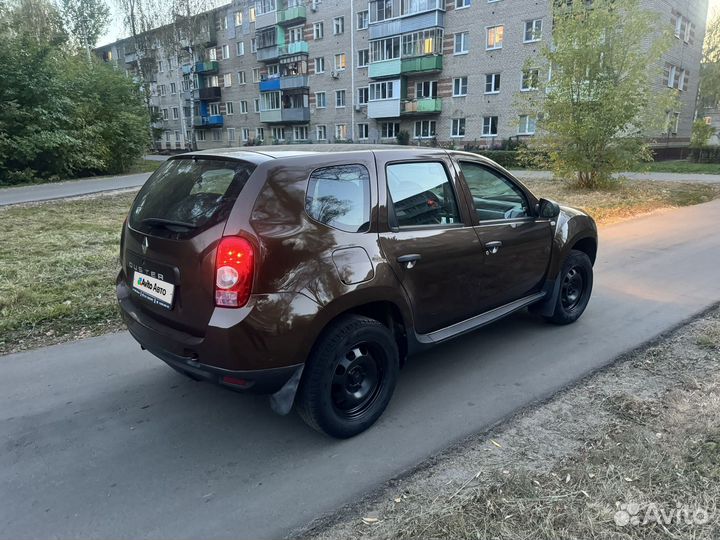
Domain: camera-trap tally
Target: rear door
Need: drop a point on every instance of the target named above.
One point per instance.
(174, 225)
(431, 244)
(516, 244)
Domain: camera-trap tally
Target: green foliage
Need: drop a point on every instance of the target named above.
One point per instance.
(710, 67)
(705, 154)
(403, 138)
(86, 20)
(60, 116)
(701, 134)
(599, 103)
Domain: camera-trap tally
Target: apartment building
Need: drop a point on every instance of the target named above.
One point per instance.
(364, 70)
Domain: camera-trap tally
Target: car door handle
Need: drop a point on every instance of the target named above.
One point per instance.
(409, 260)
(491, 248)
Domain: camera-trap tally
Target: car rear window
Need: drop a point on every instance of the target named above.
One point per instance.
(339, 197)
(189, 194)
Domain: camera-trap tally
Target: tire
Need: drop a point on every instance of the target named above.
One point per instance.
(576, 281)
(349, 378)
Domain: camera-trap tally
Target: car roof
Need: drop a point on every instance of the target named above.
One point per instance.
(279, 151)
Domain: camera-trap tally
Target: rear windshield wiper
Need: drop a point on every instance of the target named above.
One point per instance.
(167, 223)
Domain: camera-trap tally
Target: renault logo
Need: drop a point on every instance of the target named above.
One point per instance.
(145, 246)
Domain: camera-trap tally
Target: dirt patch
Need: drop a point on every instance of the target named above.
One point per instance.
(631, 452)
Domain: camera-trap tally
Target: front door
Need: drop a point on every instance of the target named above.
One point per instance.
(431, 244)
(516, 244)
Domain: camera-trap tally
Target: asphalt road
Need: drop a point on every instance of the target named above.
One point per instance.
(102, 440)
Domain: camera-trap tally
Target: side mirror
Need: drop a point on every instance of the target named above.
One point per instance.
(548, 209)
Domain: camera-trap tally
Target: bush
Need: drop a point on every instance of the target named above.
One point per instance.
(515, 159)
(403, 138)
(705, 154)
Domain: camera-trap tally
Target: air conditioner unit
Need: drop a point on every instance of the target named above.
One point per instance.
(358, 107)
(335, 74)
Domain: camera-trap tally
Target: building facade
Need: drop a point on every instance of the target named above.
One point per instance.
(366, 70)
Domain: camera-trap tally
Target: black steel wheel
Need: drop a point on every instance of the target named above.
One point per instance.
(349, 378)
(576, 281)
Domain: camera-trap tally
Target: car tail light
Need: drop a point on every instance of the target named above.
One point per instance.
(234, 266)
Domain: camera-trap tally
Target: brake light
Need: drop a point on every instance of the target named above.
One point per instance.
(234, 266)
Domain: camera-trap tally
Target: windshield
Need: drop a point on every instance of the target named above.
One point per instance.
(189, 194)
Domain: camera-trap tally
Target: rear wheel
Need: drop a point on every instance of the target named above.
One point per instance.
(349, 378)
(576, 281)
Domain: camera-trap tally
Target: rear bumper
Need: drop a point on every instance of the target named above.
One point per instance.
(213, 358)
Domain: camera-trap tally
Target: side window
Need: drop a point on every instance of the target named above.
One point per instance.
(339, 197)
(421, 194)
(494, 196)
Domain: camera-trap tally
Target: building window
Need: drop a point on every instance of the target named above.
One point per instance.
(243, 107)
(426, 90)
(278, 133)
(229, 108)
(461, 43)
(241, 77)
(673, 122)
(389, 130)
(533, 31)
(253, 45)
(422, 43)
(320, 100)
(530, 79)
(294, 34)
(363, 95)
(173, 88)
(225, 52)
(363, 131)
(321, 133)
(240, 48)
(526, 125)
(165, 114)
(245, 134)
(300, 133)
(265, 6)
(338, 25)
(425, 129)
(318, 30)
(256, 105)
(494, 37)
(459, 4)
(460, 86)
(340, 62)
(227, 79)
(490, 126)
(177, 136)
(212, 54)
(256, 75)
(231, 134)
(273, 70)
(492, 83)
(238, 18)
(458, 127)
(339, 99)
(176, 113)
(363, 58)
(320, 65)
(341, 132)
(217, 135)
(214, 109)
(270, 101)
(362, 19)
(381, 90)
(252, 14)
(160, 66)
(260, 134)
(161, 89)
(200, 135)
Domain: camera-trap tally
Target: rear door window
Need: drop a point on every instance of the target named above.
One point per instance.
(189, 195)
(339, 197)
(422, 195)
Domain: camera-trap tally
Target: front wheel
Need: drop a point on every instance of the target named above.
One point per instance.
(576, 281)
(349, 378)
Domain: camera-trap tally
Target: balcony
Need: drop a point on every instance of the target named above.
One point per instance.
(214, 120)
(295, 115)
(264, 20)
(206, 67)
(211, 93)
(130, 57)
(407, 24)
(270, 85)
(385, 108)
(273, 52)
(385, 68)
(292, 15)
(186, 69)
(289, 82)
(422, 64)
(421, 106)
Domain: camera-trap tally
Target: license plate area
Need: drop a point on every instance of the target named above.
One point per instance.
(154, 283)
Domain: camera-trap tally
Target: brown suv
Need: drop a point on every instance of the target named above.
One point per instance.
(312, 272)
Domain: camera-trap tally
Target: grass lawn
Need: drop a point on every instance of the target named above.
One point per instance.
(58, 260)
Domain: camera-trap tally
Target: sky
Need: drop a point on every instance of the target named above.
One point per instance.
(116, 30)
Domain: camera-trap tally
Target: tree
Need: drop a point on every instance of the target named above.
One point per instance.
(599, 101)
(86, 20)
(701, 134)
(710, 67)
